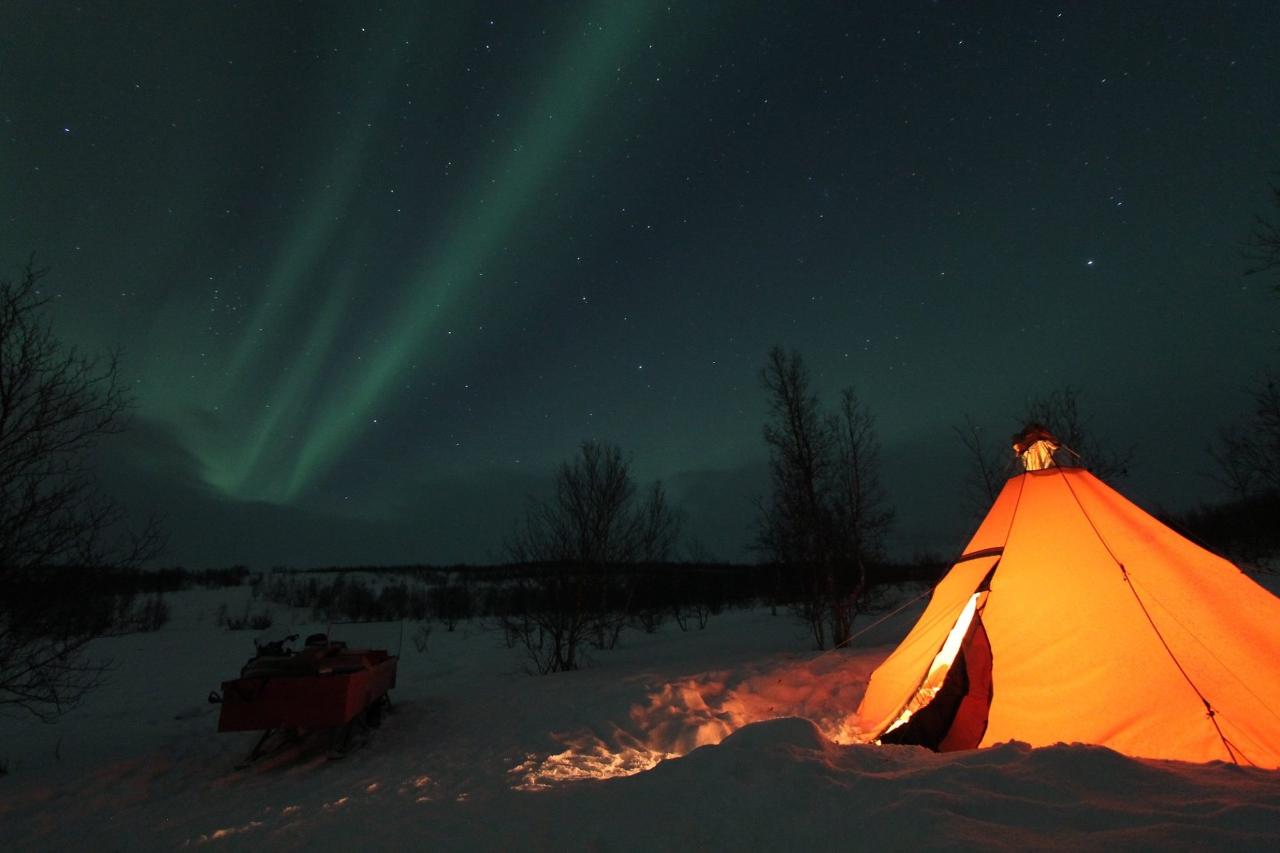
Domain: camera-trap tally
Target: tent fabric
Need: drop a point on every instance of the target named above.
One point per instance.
(1104, 627)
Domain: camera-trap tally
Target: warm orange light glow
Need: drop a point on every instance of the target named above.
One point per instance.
(1038, 456)
(678, 717)
(421, 788)
(1104, 627)
(586, 761)
(1035, 446)
(227, 832)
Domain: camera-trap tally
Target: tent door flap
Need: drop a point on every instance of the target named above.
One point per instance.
(955, 717)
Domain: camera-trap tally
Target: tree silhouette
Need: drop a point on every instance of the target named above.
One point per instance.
(594, 520)
(991, 460)
(826, 514)
(55, 404)
(1247, 454)
(1060, 412)
(1262, 249)
(990, 464)
(862, 513)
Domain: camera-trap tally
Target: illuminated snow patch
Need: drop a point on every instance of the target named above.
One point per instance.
(680, 716)
(226, 832)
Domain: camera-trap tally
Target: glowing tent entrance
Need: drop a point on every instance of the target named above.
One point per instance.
(1074, 616)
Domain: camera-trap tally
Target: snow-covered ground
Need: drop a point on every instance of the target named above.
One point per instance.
(479, 755)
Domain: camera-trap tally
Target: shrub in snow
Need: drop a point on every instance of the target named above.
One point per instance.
(152, 615)
(420, 637)
(450, 604)
(247, 619)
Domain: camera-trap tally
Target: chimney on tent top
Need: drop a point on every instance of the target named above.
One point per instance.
(1035, 446)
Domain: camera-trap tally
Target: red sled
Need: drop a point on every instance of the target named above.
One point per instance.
(323, 686)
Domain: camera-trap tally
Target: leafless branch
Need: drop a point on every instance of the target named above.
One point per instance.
(56, 403)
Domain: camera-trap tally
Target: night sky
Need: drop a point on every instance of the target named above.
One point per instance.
(376, 269)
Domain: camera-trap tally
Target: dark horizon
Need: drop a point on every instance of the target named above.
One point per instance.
(376, 273)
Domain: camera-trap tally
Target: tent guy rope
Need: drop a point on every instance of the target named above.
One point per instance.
(1210, 713)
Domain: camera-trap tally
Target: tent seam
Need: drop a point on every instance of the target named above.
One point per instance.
(1211, 713)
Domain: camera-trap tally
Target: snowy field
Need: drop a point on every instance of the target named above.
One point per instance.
(732, 737)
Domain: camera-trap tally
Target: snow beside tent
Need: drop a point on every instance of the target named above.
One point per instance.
(479, 755)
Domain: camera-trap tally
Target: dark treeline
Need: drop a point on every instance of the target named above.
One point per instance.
(560, 612)
(640, 592)
(108, 581)
(74, 601)
(1243, 529)
(419, 592)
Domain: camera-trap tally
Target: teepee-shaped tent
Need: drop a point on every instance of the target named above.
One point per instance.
(1074, 616)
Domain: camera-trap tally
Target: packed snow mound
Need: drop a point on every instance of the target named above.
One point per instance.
(781, 785)
(784, 732)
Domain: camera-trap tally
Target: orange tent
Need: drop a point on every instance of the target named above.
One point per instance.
(1074, 616)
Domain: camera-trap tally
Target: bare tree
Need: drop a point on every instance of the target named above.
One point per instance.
(862, 513)
(55, 404)
(990, 464)
(826, 514)
(593, 522)
(795, 526)
(1234, 453)
(1060, 412)
(1248, 454)
(1262, 249)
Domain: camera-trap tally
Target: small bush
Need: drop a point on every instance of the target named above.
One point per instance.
(450, 604)
(420, 637)
(246, 620)
(153, 615)
(649, 620)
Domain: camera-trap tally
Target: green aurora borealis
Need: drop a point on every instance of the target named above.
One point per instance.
(444, 279)
(376, 271)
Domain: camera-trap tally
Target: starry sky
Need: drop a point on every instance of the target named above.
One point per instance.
(377, 268)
